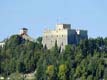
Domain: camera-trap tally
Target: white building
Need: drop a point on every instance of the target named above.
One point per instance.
(2, 44)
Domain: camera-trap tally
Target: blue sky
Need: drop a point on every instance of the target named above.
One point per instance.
(36, 15)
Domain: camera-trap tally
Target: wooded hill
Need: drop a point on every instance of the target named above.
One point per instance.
(85, 61)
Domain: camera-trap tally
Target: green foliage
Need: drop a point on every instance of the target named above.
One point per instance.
(62, 72)
(18, 55)
(85, 61)
(50, 72)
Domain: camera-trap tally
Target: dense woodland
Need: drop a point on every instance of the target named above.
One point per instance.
(85, 61)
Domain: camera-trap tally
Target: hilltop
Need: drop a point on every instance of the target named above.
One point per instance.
(87, 60)
(19, 55)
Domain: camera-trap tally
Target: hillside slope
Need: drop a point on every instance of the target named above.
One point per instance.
(86, 61)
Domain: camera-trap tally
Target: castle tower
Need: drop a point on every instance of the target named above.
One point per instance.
(23, 31)
(63, 26)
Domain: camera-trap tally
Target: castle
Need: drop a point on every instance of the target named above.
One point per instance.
(24, 34)
(63, 35)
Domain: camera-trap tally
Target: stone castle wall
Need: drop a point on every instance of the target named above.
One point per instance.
(63, 35)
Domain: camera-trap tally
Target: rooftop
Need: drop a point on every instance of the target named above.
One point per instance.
(24, 29)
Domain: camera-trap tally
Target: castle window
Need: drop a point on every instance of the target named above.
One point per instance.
(46, 36)
(62, 35)
(51, 41)
(62, 44)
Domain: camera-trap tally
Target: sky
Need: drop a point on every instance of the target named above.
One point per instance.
(37, 15)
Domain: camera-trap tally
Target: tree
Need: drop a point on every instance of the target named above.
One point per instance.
(50, 72)
(90, 77)
(85, 61)
(62, 72)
